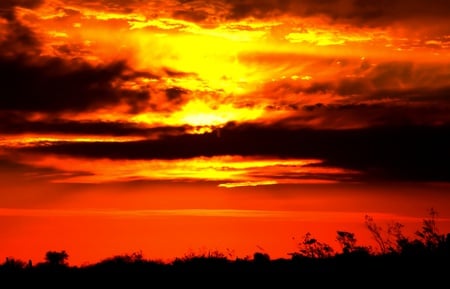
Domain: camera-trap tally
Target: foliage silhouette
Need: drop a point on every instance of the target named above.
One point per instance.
(55, 258)
(13, 264)
(312, 248)
(427, 255)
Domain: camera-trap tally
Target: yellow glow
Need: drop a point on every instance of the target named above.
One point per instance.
(324, 37)
(144, 213)
(243, 31)
(33, 140)
(336, 216)
(162, 23)
(247, 184)
(214, 61)
(313, 37)
(230, 71)
(229, 171)
(269, 182)
(199, 114)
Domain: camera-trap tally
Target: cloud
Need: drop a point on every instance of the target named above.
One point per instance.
(383, 12)
(34, 83)
(175, 94)
(403, 82)
(261, 9)
(17, 123)
(52, 85)
(387, 14)
(7, 6)
(360, 115)
(191, 15)
(386, 152)
(336, 110)
(17, 39)
(399, 83)
(18, 171)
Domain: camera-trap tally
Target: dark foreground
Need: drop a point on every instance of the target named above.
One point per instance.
(420, 262)
(217, 272)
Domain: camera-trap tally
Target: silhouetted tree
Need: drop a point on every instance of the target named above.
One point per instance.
(428, 242)
(261, 258)
(429, 235)
(376, 233)
(385, 242)
(311, 248)
(135, 257)
(395, 230)
(55, 258)
(12, 264)
(347, 241)
(446, 245)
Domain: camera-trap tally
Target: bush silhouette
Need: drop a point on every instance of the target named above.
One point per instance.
(312, 248)
(56, 258)
(427, 254)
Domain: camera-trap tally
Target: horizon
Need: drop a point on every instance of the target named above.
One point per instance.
(163, 231)
(170, 127)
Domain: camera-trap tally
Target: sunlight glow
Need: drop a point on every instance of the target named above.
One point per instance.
(201, 116)
(229, 171)
(34, 140)
(198, 113)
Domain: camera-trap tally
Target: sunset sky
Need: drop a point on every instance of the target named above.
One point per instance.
(179, 126)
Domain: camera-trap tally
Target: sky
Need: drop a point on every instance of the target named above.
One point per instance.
(184, 126)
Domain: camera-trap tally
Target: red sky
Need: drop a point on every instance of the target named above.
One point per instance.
(175, 126)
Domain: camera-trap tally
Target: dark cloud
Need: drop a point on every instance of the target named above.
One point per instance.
(30, 82)
(175, 73)
(357, 12)
(51, 84)
(19, 40)
(382, 12)
(29, 174)
(352, 86)
(7, 6)
(394, 152)
(15, 123)
(396, 74)
(403, 82)
(257, 9)
(120, 6)
(340, 116)
(175, 94)
(191, 15)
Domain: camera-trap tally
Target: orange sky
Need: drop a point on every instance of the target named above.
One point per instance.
(170, 126)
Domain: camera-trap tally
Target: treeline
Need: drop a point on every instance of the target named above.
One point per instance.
(428, 251)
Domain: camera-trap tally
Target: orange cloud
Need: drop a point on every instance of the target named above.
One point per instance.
(227, 171)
